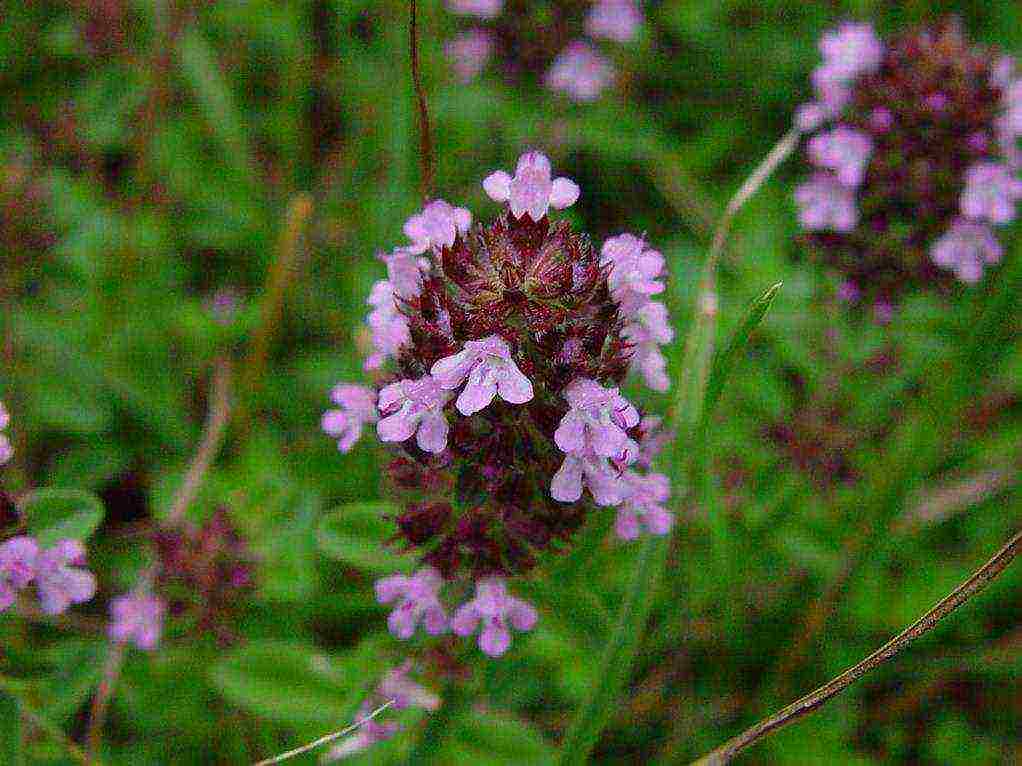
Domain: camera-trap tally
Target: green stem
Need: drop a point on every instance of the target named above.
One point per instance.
(686, 415)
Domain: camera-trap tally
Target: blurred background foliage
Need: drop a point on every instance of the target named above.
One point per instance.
(157, 164)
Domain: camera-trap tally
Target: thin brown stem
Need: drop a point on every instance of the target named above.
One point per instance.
(425, 136)
(209, 446)
(281, 275)
(814, 700)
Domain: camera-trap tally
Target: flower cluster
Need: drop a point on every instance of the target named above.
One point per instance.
(396, 688)
(502, 400)
(6, 450)
(55, 571)
(561, 47)
(202, 573)
(913, 145)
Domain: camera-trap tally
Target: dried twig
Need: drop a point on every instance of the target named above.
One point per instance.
(425, 137)
(327, 739)
(814, 700)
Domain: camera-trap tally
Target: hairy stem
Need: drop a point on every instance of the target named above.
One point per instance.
(816, 699)
(425, 136)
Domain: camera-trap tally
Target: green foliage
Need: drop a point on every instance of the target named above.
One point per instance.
(58, 514)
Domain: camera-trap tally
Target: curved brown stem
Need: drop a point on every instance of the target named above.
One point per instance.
(814, 700)
(425, 137)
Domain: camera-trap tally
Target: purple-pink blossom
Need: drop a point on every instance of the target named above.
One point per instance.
(490, 370)
(966, 249)
(436, 226)
(991, 190)
(356, 406)
(580, 72)
(825, 204)
(404, 264)
(635, 270)
(17, 567)
(396, 687)
(418, 601)
(597, 419)
(59, 579)
(137, 618)
(531, 190)
(496, 611)
(650, 329)
(6, 450)
(593, 472)
(414, 408)
(844, 150)
(617, 20)
(387, 325)
(851, 50)
(482, 9)
(643, 505)
(652, 441)
(468, 53)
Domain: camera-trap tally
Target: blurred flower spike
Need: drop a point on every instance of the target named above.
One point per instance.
(913, 144)
(566, 58)
(501, 397)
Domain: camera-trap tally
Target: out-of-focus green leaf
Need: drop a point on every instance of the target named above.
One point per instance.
(58, 514)
(12, 738)
(357, 535)
(293, 683)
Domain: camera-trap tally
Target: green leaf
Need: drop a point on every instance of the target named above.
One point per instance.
(725, 360)
(357, 535)
(294, 683)
(58, 514)
(12, 741)
(498, 739)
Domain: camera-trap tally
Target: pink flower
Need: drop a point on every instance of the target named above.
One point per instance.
(635, 270)
(490, 370)
(414, 407)
(650, 329)
(531, 190)
(17, 567)
(436, 226)
(597, 419)
(59, 581)
(966, 249)
(843, 150)
(1013, 107)
(593, 472)
(826, 205)
(848, 291)
(417, 601)
(883, 312)
(404, 266)
(6, 451)
(642, 507)
(468, 53)
(388, 326)
(357, 406)
(495, 609)
(404, 692)
(138, 618)
(580, 73)
(991, 190)
(396, 685)
(851, 49)
(616, 20)
(483, 9)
